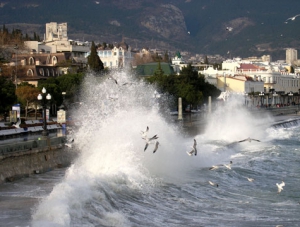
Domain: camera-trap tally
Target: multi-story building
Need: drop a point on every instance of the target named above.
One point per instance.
(43, 58)
(117, 57)
(291, 55)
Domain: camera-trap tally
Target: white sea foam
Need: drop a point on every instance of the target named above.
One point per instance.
(112, 160)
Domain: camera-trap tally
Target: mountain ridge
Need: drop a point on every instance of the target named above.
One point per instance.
(258, 27)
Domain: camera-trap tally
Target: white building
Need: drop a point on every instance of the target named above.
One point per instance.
(56, 41)
(178, 62)
(118, 57)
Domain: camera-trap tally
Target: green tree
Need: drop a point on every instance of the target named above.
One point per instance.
(94, 60)
(190, 86)
(7, 94)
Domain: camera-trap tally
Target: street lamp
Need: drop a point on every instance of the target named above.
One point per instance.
(44, 99)
(261, 94)
(290, 96)
(16, 76)
(274, 97)
(246, 95)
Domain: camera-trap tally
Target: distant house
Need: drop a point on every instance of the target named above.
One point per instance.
(148, 69)
(117, 57)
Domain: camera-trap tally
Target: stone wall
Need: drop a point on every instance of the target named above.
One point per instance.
(34, 161)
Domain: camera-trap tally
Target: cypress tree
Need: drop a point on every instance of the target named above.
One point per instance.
(94, 60)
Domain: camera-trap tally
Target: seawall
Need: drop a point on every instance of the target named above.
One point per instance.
(33, 157)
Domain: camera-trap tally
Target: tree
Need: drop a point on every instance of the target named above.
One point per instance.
(27, 96)
(190, 86)
(7, 94)
(94, 61)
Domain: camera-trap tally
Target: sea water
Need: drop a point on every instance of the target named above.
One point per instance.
(114, 182)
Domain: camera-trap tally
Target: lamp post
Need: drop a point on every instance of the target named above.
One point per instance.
(16, 76)
(274, 97)
(261, 94)
(290, 96)
(246, 95)
(63, 102)
(44, 99)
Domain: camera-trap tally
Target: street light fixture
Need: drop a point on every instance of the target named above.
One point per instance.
(44, 99)
(261, 94)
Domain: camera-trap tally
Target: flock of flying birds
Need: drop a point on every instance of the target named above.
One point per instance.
(193, 151)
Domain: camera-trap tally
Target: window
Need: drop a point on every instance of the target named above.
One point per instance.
(31, 61)
(41, 72)
(30, 72)
(54, 60)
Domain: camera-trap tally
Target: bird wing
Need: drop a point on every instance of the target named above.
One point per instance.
(153, 138)
(242, 141)
(190, 153)
(156, 147)
(282, 184)
(146, 146)
(68, 145)
(256, 140)
(213, 167)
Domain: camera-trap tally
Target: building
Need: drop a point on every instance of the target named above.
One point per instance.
(178, 62)
(117, 57)
(291, 55)
(56, 41)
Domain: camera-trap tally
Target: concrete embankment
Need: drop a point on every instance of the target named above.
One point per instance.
(33, 157)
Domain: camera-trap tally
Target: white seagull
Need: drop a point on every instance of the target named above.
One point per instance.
(69, 144)
(156, 146)
(250, 179)
(144, 133)
(229, 29)
(293, 18)
(228, 166)
(249, 140)
(280, 186)
(111, 78)
(148, 141)
(213, 184)
(17, 125)
(194, 149)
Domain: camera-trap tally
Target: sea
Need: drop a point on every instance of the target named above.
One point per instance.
(115, 181)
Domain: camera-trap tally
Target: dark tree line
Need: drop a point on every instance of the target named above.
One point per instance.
(191, 87)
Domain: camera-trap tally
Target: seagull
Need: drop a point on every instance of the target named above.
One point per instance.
(156, 146)
(249, 140)
(213, 184)
(250, 179)
(228, 166)
(17, 125)
(111, 78)
(148, 141)
(144, 133)
(194, 149)
(229, 29)
(69, 144)
(280, 186)
(293, 18)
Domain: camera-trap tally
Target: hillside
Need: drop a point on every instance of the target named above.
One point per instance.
(258, 27)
